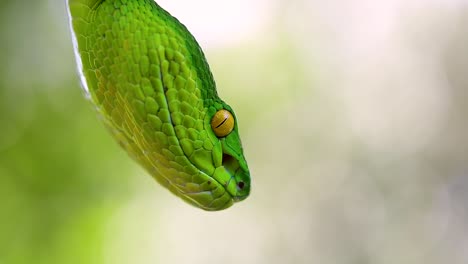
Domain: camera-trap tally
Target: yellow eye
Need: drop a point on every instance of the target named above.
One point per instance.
(222, 123)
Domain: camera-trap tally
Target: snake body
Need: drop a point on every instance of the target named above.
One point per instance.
(152, 87)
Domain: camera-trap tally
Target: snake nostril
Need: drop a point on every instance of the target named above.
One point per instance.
(241, 185)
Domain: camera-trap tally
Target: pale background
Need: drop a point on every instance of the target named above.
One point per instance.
(353, 116)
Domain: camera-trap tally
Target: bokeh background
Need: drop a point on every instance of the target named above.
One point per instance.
(353, 116)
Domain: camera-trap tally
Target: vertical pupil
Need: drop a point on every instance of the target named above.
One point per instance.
(224, 121)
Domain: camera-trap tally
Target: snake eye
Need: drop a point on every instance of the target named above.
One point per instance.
(222, 123)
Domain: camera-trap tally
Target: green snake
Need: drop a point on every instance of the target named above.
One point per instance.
(151, 84)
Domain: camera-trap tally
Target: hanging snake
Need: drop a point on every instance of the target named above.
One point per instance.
(153, 89)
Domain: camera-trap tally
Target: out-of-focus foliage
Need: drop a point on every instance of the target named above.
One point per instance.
(352, 115)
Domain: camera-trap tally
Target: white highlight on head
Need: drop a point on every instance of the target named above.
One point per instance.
(79, 63)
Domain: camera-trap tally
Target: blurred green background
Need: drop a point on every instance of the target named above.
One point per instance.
(352, 115)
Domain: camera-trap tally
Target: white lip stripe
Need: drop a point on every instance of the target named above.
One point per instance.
(79, 63)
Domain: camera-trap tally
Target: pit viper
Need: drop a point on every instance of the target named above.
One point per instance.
(152, 87)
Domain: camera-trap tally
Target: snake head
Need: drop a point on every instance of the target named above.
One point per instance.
(221, 161)
(233, 172)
